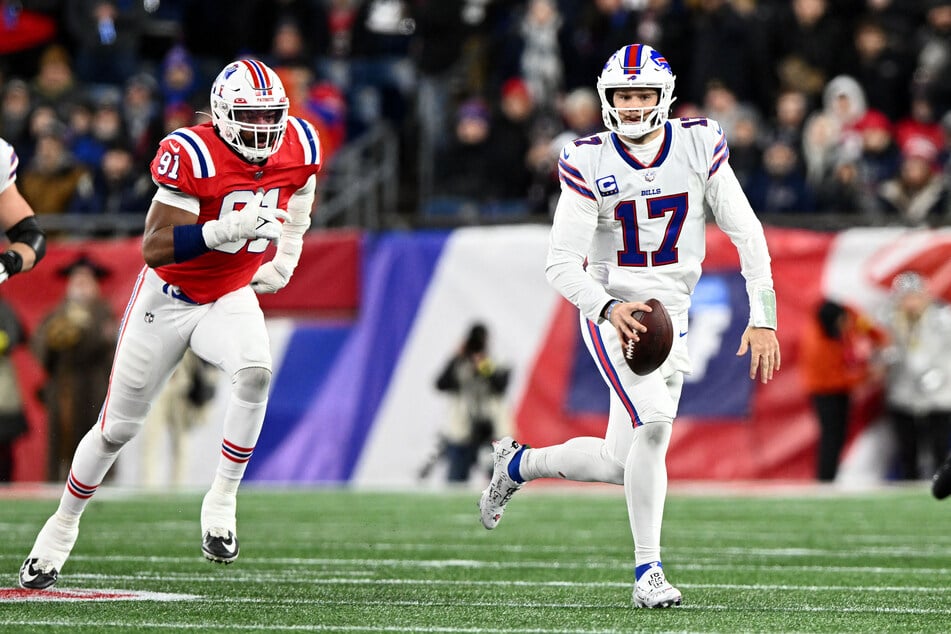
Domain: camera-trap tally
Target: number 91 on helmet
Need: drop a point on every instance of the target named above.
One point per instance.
(249, 109)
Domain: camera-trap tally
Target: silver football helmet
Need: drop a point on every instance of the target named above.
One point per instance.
(636, 66)
(249, 109)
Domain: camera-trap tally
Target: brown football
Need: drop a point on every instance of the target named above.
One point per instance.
(646, 355)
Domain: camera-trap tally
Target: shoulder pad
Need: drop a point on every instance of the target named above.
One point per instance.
(308, 138)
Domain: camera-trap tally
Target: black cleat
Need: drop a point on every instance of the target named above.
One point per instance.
(941, 482)
(219, 545)
(36, 576)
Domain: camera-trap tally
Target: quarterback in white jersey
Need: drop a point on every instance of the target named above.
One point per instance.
(629, 226)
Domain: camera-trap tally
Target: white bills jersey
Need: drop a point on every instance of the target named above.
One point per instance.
(630, 222)
(8, 165)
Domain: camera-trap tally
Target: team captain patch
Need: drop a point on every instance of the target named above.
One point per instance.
(607, 185)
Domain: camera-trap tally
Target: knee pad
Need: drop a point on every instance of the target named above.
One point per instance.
(251, 384)
(123, 418)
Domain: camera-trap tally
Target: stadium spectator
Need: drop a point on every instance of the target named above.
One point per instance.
(15, 109)
(845, 192)
(512, 127)
(779, 185)
(830, 132)
(917, 195)
(880, 157)
(836, 353)
(722, 49)
(50, 180)
(142, 118)
(918, 382)
(932, 73)
(788, 118)
(288, 32)
(806, 44)
(116, 186)
(746, 151)
(74, 345)
(881, 67)
(921, 121)
(107, 35)
(465, 170)
(83, 145)
(179, 81)
(55, 84)
(588, 37)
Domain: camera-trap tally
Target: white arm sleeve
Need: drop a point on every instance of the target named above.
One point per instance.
(291, 242)
(572, 230)
(736, 218)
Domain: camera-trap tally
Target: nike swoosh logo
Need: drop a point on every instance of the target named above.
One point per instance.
(29, 575)
(175, 148)
(683, 333)
(564, 153)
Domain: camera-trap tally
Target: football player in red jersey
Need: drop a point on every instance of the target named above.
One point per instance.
(225, 189)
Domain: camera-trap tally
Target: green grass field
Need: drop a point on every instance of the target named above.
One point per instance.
(561, 561)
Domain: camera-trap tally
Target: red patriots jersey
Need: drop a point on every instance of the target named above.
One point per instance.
(196, 162)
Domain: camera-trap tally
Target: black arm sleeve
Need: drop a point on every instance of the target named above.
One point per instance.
(28, 232)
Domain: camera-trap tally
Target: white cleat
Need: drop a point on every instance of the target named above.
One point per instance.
(653, 590)
(502, 487)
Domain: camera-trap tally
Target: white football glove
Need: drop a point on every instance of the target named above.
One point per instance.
(250, 223)
(274, 275)
(270, 278)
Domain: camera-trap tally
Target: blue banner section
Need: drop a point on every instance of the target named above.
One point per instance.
(718, 387)
(309, 358)
(326, 441)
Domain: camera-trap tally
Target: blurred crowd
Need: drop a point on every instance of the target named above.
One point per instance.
(829, 107)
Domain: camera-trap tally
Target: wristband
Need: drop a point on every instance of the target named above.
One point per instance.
(189, 242)
(610, 309)
(763, 308)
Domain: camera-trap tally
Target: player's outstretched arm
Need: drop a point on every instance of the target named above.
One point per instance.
(764, 352)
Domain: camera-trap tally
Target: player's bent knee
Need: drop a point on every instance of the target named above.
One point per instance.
(251, 384)
(123, 418)
(656, 433)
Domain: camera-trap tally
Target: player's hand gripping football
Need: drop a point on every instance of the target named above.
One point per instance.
(764, 352)
(250, 223)
(622, 318)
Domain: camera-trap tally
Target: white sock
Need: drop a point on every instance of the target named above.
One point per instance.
(219, 506)
(645, 487)
(92, 460)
